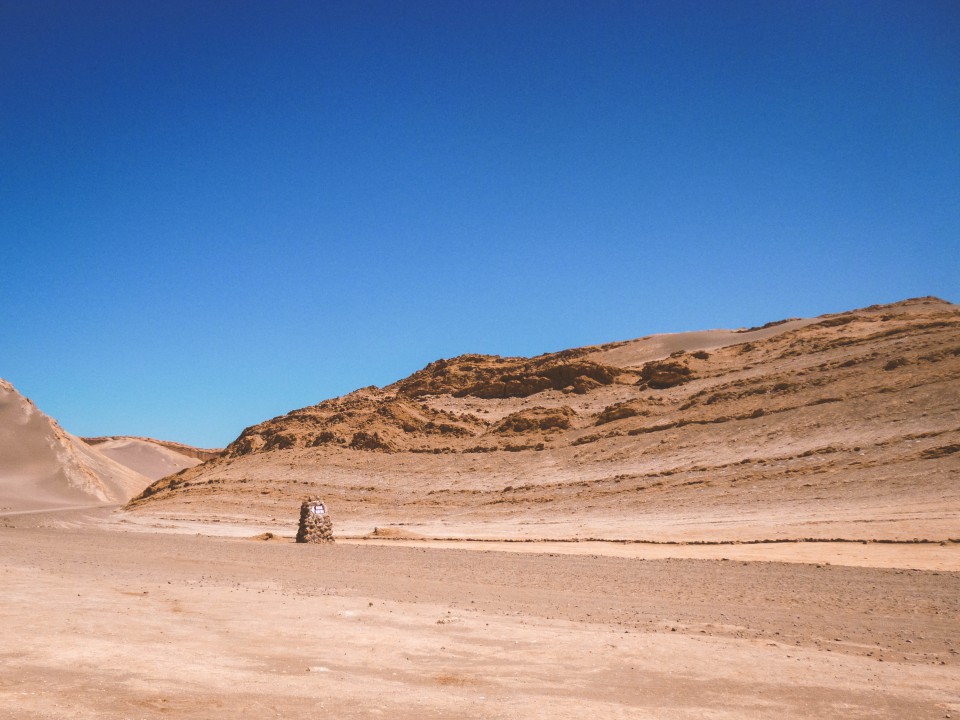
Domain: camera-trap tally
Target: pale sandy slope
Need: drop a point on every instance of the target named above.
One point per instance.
(656, 347)
(44, 467)
(146, 456)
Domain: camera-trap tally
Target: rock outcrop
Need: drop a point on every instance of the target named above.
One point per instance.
(490, 376)
(663, 374)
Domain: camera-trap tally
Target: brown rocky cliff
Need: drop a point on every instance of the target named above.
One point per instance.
(864, 399)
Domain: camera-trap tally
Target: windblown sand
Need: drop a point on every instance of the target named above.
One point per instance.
(42, 466)
(146, 457)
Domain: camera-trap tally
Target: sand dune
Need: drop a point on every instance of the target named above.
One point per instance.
(188, 451)
(42, 466)
(657, 347)
(145, 456)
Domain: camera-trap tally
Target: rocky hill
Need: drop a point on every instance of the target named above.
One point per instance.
(846, 425)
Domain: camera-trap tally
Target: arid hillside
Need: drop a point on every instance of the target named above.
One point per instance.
(844, 426)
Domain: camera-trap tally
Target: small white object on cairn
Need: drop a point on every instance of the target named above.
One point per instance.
(315, 523)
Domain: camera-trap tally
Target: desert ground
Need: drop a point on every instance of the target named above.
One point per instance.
(754, 523)
(107, 619)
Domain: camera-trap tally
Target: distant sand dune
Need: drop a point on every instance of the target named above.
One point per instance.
(42, 466)
(147, 457)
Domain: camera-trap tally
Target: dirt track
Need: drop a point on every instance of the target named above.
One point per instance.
(118, 625)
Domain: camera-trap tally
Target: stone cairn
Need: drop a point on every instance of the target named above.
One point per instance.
(315, 524)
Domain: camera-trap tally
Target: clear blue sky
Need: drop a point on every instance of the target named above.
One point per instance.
(212, 213)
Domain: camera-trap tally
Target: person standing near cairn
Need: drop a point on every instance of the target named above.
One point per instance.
(315, 524)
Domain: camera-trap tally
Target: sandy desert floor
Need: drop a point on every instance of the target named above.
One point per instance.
(99, 622)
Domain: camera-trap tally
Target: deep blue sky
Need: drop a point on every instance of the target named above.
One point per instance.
(215, 212)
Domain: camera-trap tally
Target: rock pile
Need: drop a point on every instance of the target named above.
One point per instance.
(315, 524)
